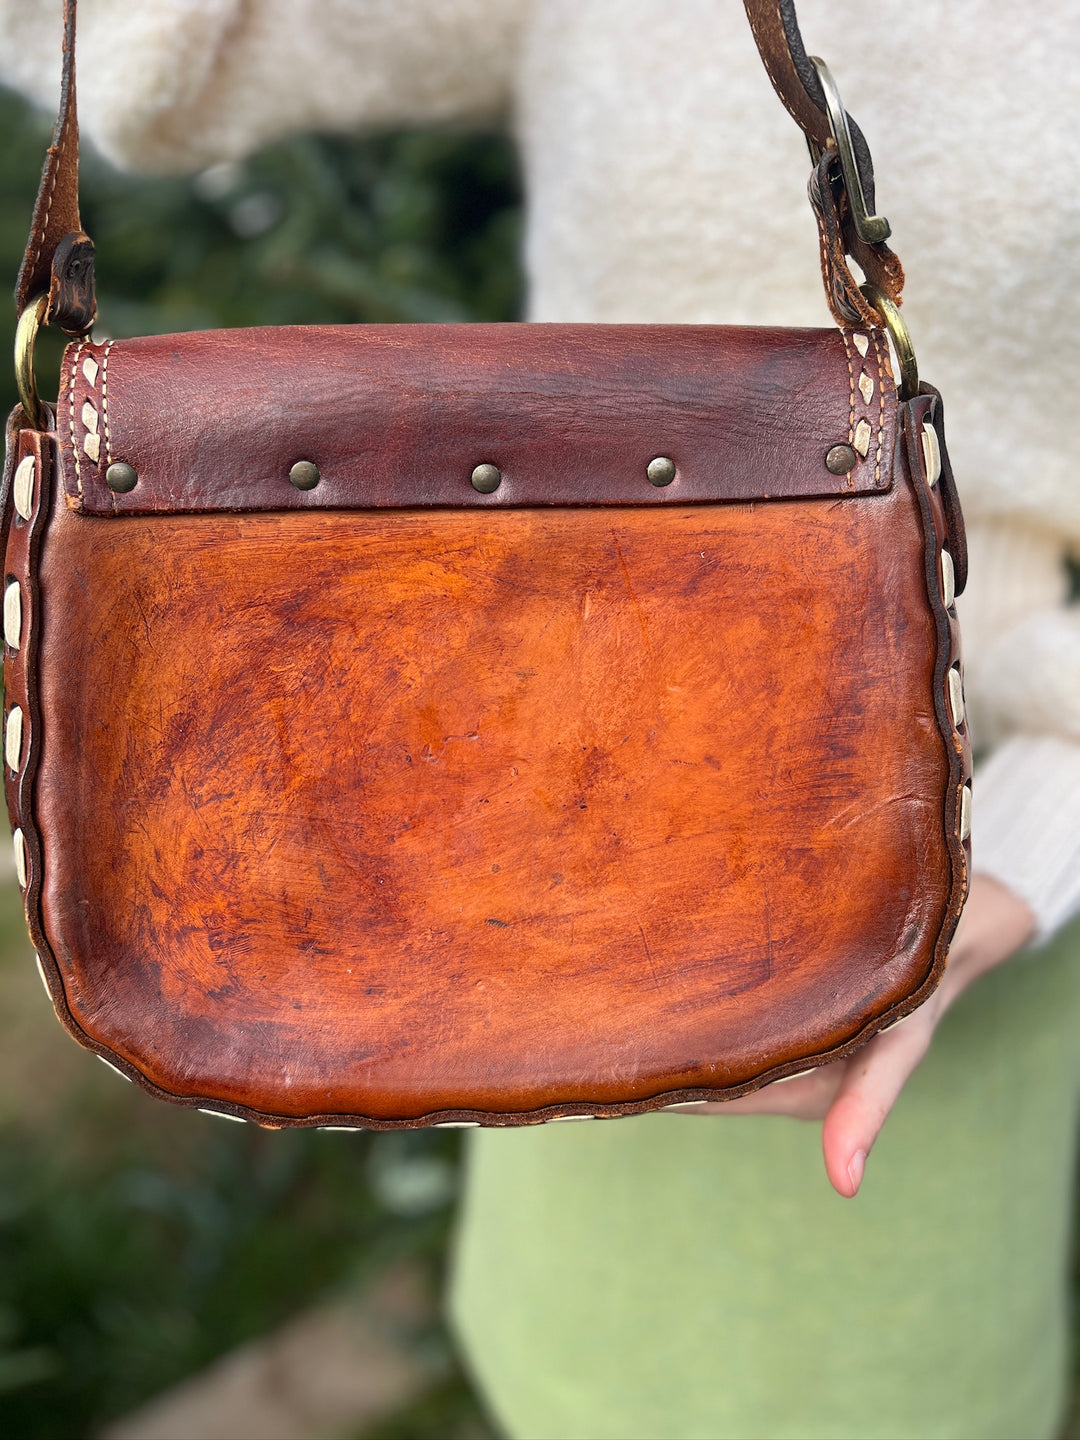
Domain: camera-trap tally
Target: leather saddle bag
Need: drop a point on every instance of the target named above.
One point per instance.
(485, 724)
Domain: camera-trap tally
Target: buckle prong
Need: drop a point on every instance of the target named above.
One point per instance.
(26, 333)
(871, 228)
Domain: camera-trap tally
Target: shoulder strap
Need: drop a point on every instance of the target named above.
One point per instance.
(796, 80)
(59, 258)
(58, 263)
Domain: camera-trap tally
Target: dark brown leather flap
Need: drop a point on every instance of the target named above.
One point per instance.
(399, 415)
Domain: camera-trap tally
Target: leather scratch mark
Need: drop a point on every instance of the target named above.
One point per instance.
(854, 813)
(648, 955)
(633, 597)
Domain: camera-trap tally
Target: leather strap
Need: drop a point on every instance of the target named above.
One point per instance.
(775, 28)
(59, 255)
(780, 45)
(59, 258)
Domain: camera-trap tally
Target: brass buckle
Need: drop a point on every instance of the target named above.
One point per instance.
(26, 333)
(871, 228)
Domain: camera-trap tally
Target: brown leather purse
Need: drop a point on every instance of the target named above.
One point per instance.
(455, 725)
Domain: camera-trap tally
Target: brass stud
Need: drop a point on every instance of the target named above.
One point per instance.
(840, 459)
(486, 478)
(965, 813)
(13, 614)
(23, 486)
(13, 738)
(931, 450)
(304, 475)
(948, 580)
(121, 477)
(18, 841)
(956, 696)
(660, 471)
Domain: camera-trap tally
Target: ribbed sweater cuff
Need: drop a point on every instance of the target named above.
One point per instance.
(1026, 825)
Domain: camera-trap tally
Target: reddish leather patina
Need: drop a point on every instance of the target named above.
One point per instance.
(416, 813)
(400, 415)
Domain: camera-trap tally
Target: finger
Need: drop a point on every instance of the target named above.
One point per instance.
(867, 1092)
(804, 1097)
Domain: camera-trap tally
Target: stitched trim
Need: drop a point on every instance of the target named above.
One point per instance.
(764, 55)
(71, 414)
(48, 203)
(105, 400)
(851, 385)
(881, 404)
(826, 270)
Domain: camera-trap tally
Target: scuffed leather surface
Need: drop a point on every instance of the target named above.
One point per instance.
(402, 816)
(400, 415)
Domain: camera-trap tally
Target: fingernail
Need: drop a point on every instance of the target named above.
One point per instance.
(855, 1169)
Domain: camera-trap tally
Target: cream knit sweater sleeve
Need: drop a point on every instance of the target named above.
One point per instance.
(180, 84)
(666, 183)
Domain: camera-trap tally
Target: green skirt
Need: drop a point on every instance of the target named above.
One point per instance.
(678, 1276)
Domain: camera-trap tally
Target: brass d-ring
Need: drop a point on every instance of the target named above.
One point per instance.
(26, 333)
(901, 338)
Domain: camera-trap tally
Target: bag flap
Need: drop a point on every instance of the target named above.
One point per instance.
(400, 415)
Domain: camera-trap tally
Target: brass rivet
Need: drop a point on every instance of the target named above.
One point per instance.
(13, 614)
(931, 450)
(840, 459)
(304, 475)
(121, 478)
(660, 471)
(486, 478)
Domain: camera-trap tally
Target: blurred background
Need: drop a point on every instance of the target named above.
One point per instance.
(163, 1273)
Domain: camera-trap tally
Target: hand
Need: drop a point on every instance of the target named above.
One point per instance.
(854, 1096)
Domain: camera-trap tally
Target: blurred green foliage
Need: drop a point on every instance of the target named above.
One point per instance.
(409, 226)
(138, 1242)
